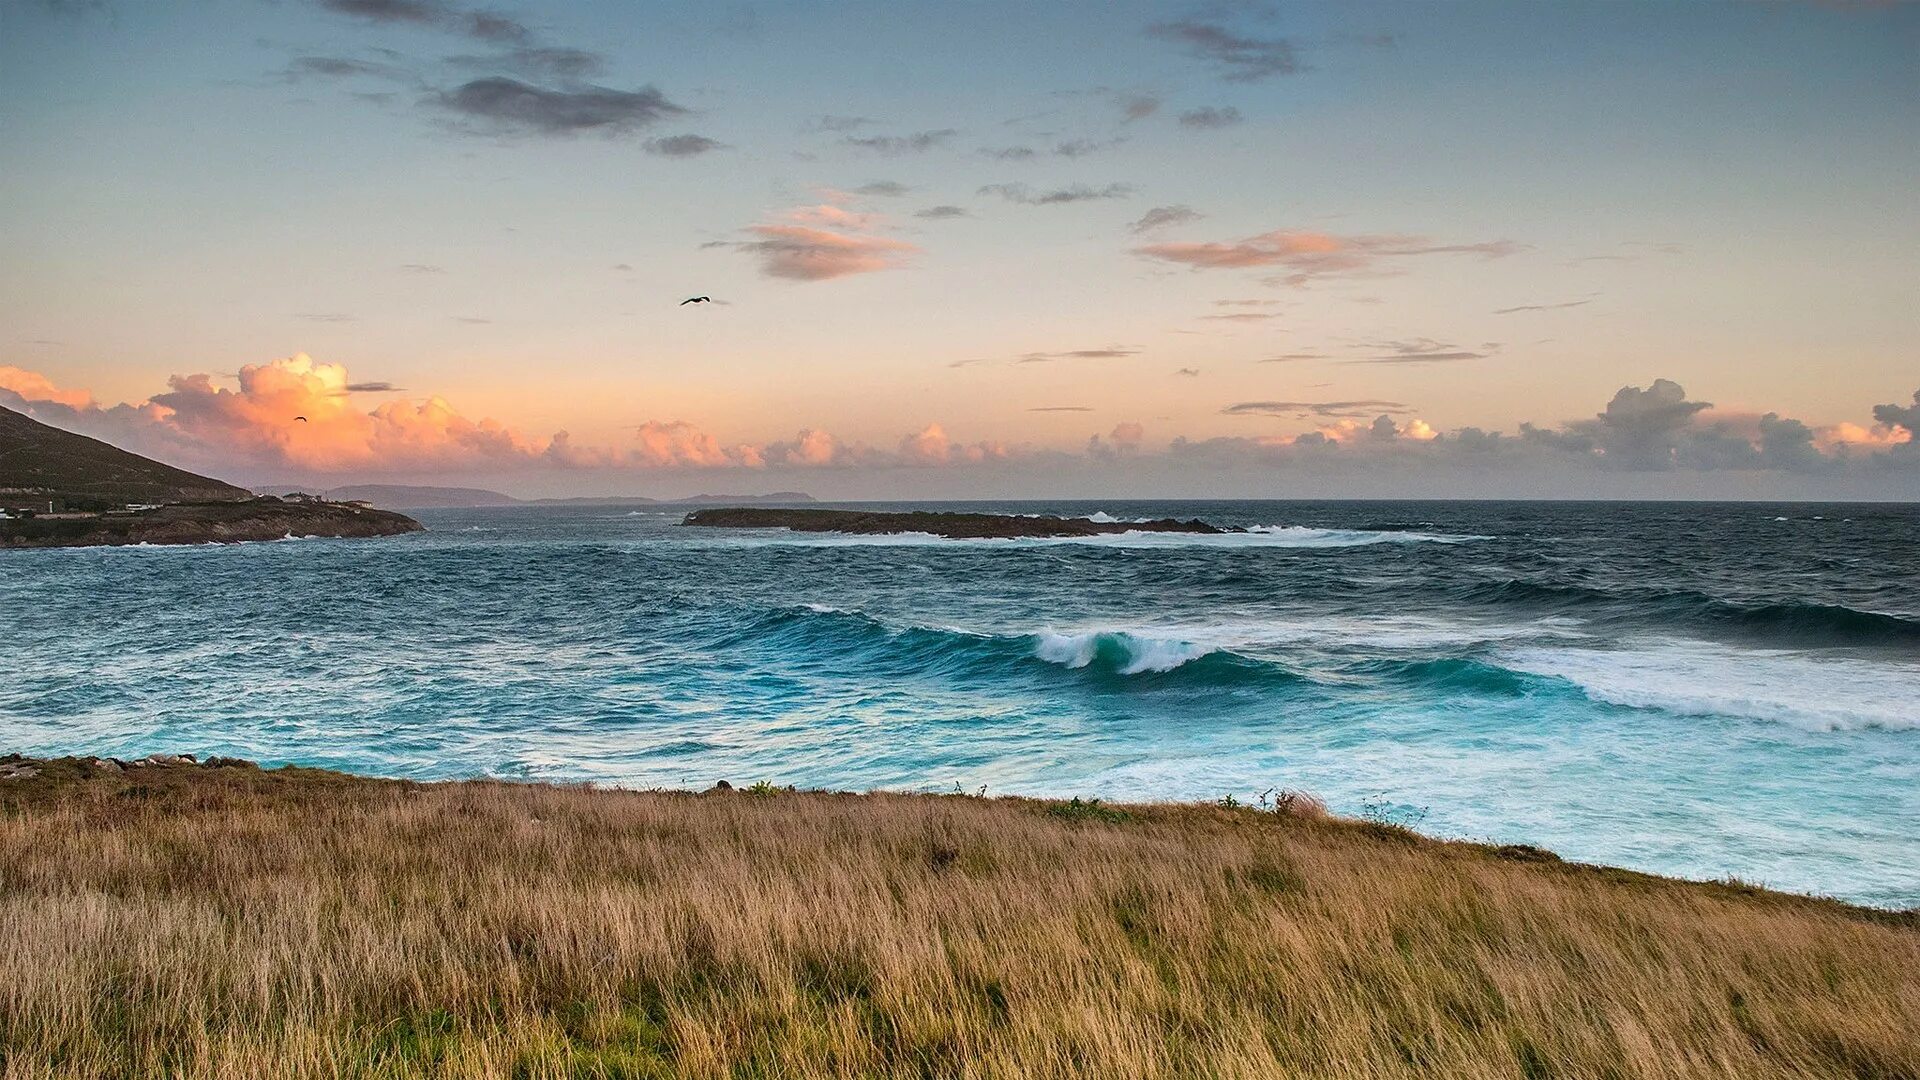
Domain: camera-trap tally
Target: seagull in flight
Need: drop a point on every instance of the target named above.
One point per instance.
(696, 300)
(302, 419)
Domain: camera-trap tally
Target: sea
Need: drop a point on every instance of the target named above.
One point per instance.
(1709, 691)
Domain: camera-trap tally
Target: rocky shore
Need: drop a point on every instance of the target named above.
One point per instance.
(206, 523)
(954, 526)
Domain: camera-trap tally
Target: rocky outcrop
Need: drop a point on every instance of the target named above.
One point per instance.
(957, 526)
(207, 523)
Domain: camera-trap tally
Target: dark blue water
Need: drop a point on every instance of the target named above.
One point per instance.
(1704, 690)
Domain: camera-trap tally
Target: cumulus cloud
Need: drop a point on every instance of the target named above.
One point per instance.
(1209, 118)
(1236, 57)
(33, 386)
(1161, 217)
(1073, 193)
(510, 106)
(1306, 255)
(1904, 417)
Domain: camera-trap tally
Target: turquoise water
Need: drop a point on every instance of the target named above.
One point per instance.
(1694, 690)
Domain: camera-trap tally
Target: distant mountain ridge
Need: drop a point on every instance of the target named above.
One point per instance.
(425, 497)
(40, 461)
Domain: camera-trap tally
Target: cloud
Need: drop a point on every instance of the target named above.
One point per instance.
(918, 142)
(422, 268)
(1542, 307)
(1209, 118)
(33, 386)
(838, 124)
(372, 388)
(338, 67)
(1314, 408)
(1189, 372)
(1060, 408)
(1237, 58)
(508, 105)
(1072, 148)
(931, 446)
(1020, 193)
(1905, 417)
(1425, 351)
(482, 25)
(1139, 107)
(680, 146)
(1243, 316)
(819, 243)
(1309, 255)
(537, 61)
(885, 189)
(938, 213)
(1111, 352)
(1162, 216)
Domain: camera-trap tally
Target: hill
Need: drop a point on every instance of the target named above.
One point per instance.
(38, 461)
(182, 920)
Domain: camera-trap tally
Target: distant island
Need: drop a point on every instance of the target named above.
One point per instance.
(59, 489)
(421, 497)
(954, 526)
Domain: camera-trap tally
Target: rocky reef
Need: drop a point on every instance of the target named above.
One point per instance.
(955, 526)
(222, 522)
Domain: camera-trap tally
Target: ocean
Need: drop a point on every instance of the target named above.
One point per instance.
(1698, 690)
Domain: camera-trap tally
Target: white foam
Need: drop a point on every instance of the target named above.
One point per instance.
(1077, 650)
(1258, 536)
(1820, 693)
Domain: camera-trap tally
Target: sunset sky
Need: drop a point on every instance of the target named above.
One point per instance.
(972, 250)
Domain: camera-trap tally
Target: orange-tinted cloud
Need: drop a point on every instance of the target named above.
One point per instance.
(1308, 254)
(37, 387)
(820, 243)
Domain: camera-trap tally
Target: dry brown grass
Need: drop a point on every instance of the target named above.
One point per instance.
(227, 922)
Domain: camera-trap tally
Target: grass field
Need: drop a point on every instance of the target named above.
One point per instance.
(202, 921)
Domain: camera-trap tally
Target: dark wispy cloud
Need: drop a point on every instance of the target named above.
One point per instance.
(1111, 352)
(1060, 408)
(1425, 351)
(537, 61)
(1294, 358)
(1246, 303)
(1542, 307)
(885, 189)
(1210, 118)
(1236, 57)
(340, 67)
(480, 25)
(1021, 193)
(1243, 316)
(1163, 216)
(681, 146)
(938, 213)
(1071, 148)
(511, 106)
(1306, 255)
(374, 388)
(1361, 407)
(918, 142)
(838, 125)
(1189, 372)
(1139, 107)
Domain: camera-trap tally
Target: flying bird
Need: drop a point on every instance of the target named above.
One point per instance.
(302, 419)
(696, 300)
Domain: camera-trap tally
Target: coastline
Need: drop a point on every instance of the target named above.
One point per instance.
(478, 928)
(223, 522)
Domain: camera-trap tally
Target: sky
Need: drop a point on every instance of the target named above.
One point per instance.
(973, 251)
